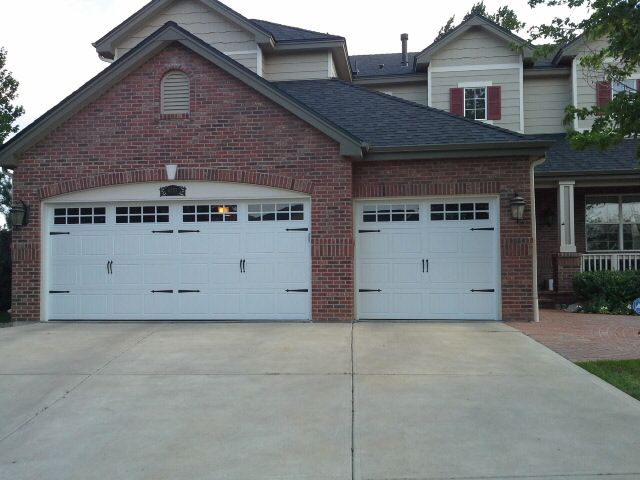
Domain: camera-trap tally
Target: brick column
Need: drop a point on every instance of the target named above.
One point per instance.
(565, 267)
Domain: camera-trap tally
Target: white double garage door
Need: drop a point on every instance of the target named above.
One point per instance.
(232, 260)
(251, 260)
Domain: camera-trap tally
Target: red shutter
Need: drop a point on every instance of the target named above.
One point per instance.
(456, 101)
(603, 94)
(494, 103)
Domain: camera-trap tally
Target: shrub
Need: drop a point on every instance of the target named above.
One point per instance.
(607, 292)
(5, 271)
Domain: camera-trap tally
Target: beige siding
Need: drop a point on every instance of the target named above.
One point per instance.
(544, 102)
(205, 24)
(414, 92)
(476, 47)
(308, 66)
(508, 79)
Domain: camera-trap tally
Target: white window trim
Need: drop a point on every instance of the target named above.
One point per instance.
(486, 98)
(620, 224)
(429, 94)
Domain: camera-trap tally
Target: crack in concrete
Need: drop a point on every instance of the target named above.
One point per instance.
(76, 386)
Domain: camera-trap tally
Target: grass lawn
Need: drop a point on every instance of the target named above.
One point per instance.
(622, 374)
(4, 317)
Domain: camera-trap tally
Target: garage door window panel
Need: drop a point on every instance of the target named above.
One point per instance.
(79, 216)
(459, 211)
(209, 213)
(391, 213)
(142, 214)
(276, 212)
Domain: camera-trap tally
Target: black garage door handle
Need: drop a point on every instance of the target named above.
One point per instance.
(161, 291)
(485, 290)
(366, 290)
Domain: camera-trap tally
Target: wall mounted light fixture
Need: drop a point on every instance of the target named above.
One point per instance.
(517, 207)
(19, 214)
(172, 172)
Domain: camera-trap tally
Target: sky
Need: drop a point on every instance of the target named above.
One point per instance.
(49, 41)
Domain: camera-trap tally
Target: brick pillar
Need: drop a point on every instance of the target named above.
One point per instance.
(565, 267)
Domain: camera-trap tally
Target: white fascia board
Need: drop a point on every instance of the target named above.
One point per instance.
(475, 68)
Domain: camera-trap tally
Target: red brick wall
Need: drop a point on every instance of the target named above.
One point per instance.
(232, 133)
(502, 176)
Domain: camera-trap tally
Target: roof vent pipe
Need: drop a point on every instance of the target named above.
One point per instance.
(405, 55)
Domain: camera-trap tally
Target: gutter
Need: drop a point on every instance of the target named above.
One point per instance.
(494, 149)
(386, 79)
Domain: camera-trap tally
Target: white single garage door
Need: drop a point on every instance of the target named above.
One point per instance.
(428, 259)
(237, 260)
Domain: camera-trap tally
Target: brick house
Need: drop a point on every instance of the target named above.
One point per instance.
(223, 168)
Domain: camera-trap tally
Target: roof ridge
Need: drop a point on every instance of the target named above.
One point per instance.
(426, 107)
(376, 54)
(252, 20)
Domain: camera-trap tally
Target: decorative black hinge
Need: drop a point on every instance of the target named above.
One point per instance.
(59, 233)
(486, 290)
(162, 231)
(59, 291)
(173, 191)
(300, 290)
(188, 231)
(367, 290)
(188, 291)
(161, 291)
(483, 229)
(368, 231)
(297, 229)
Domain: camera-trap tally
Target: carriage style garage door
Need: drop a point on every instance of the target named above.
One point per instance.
(428, 259)
(231, 260)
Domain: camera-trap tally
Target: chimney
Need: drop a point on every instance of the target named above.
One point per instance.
(405, 55)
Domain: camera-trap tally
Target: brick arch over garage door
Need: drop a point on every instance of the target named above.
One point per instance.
(184, 174)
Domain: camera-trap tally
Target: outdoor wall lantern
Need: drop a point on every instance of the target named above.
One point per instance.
(19, 214)
(172, 172)
(517, 207)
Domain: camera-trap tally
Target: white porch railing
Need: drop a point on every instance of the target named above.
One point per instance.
(595, 262)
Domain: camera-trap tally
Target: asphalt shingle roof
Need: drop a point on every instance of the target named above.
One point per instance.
(562, 158)
(382, 120)
(369, 65)
(285, 33)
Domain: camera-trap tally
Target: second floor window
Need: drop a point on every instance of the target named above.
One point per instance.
(475, 103)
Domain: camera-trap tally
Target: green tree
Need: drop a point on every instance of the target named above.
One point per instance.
(618, 22)
(504, 16)
(8, 92)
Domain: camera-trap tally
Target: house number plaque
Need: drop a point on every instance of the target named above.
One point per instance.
(173, 191)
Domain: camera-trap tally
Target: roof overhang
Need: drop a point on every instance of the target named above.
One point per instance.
(170, 33)
(389, 79)
(602, 178)
(544, 72)
(534, 148)
(107, 44)
(424, 57)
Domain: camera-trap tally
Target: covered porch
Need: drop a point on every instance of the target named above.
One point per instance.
(584, 226)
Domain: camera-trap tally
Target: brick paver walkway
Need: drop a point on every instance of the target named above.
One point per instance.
(579, 337)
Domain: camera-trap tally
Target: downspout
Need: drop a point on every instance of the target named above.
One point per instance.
(536, 308)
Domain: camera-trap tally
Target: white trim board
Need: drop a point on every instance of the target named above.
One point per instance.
(475, 84)
(478, 68)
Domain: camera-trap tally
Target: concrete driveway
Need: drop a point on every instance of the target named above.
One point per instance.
(281, 401)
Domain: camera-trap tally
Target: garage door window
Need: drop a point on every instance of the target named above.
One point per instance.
(209, 213)
(391, 213)
(79, 216)
(459, 211)
(148, 214)
(276, 212)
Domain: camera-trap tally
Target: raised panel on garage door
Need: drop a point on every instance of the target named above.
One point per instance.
(428, 259)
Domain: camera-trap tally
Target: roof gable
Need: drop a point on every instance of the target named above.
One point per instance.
(350, 145)
(424, 57)
(107, 44)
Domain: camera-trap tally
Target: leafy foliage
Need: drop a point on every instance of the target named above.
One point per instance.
(505, 17)
(607, 292)
(618, 22)
(8, 90)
